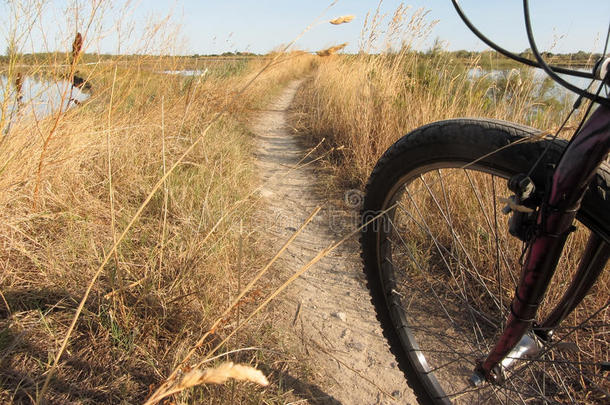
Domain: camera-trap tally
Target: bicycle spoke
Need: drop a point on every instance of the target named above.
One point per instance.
(460, 266)
(448, 267)
(460, 244)
(454, 269)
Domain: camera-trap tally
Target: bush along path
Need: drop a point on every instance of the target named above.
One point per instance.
(327, 311)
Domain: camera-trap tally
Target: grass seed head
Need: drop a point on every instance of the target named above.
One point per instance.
(19, 83)
(220, 375)
(332, 50)
(77, 47)
(342, 20)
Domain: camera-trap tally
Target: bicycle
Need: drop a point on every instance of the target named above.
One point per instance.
(443, 274)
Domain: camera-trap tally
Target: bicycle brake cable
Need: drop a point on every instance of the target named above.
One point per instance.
(549, 71)
(563, 124)
(511, 55)
(578, 100)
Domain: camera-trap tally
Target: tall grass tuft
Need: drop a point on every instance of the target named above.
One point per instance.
(365, 102)
(74, 179)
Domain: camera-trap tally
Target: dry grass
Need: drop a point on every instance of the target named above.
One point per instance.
(180, 264)
(366, 102)
(127, 229)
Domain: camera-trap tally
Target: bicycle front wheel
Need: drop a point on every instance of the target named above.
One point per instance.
(442, 267)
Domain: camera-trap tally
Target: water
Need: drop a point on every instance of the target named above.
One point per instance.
(39, 97)
(539, 77)
(193, 72)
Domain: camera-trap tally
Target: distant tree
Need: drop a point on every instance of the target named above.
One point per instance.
(438, 46)
(527, 53)
(463, 54)
(581, 55)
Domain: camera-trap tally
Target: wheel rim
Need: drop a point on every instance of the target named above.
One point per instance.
(447, 260)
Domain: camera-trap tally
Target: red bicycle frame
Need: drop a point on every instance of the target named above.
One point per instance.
(570, 180)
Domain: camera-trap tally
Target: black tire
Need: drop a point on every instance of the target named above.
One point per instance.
(499, 150)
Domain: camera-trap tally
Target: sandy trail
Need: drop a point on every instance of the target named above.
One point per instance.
(335, 321)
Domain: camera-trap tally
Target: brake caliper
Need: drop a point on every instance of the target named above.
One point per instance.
(522, 204)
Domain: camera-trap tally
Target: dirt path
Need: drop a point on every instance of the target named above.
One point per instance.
(328, 308)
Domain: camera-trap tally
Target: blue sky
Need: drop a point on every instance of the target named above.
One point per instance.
(261, 25)
(213, 26)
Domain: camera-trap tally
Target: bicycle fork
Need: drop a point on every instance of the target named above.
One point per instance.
(570, 180)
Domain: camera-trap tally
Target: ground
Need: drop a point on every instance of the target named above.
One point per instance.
(328, 308)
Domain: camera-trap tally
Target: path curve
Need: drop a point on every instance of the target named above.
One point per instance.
(328, 308)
